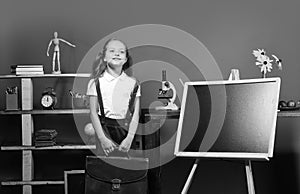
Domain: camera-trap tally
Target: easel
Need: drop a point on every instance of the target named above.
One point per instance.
(215, 149)
(234, 75)
(249, 175)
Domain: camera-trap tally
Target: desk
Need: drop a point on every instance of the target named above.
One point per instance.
(152, 121)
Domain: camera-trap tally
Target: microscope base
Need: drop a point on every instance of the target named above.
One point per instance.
(56, 72)
(170, 106)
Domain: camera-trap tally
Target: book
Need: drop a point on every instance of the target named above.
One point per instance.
(20, 69)
(14, 66)
(26, 65)
(45, 137)
(30, 73)
(44, 143)
(43, 132)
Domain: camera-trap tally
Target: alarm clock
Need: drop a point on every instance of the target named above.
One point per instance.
(49, 99)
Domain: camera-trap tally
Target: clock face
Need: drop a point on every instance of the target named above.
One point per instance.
(47, 101)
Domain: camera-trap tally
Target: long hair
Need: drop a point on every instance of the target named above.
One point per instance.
(99, 65)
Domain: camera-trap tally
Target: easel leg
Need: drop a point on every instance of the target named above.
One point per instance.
(250, 181)
(190, 178)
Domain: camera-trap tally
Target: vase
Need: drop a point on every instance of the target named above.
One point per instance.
(264, 75)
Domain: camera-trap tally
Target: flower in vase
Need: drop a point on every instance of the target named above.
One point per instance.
(278, 62)
(259, 53)
(264, 62)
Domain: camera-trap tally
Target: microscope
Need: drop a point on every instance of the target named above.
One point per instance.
(168, 92)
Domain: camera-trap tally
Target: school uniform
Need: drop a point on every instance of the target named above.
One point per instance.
(115, 93)
(115, 96)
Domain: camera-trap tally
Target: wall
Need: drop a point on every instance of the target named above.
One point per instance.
(229, 29)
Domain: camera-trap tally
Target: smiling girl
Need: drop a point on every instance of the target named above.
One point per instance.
(116, 100)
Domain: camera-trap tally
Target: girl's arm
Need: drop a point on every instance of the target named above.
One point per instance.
(107, 145)
(94, 117)
(126, 143)
(135, 118)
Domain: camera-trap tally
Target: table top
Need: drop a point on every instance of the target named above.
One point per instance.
(176, 113)
(161, 113)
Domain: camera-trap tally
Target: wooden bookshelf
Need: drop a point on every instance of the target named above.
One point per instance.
(27, 126)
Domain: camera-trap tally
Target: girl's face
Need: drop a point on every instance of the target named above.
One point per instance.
(115, 53)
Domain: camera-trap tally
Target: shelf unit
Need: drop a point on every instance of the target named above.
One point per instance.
(27, 126)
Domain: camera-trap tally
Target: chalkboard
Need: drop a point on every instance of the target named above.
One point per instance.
(228, 119)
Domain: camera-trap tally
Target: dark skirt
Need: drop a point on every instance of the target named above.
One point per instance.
(116, 130)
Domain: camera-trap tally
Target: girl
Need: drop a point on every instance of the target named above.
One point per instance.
(120, 96)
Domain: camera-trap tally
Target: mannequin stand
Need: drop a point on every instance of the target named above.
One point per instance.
(56, 72)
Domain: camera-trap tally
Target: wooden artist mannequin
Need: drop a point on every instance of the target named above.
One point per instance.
(56, 52)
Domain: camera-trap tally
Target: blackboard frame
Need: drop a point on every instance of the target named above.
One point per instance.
(274, 83)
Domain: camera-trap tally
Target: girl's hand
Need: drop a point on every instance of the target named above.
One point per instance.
(107, 145)
(126, 144)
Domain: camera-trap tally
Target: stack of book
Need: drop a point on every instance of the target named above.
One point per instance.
(27, 69)
(45, 137)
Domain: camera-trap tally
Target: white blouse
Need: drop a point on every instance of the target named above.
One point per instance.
(115, 94)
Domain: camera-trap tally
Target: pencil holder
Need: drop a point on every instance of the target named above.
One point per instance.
(12, 98)
(80, 102)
